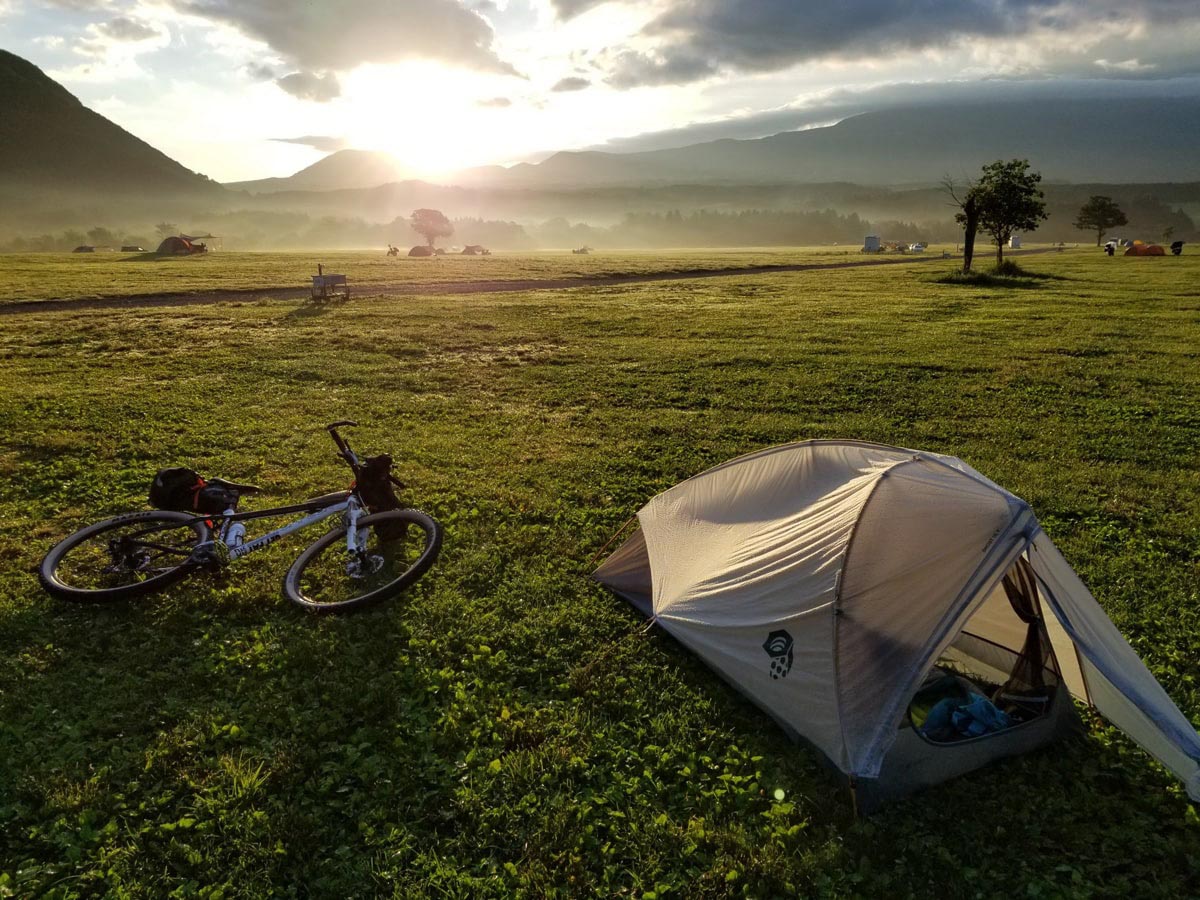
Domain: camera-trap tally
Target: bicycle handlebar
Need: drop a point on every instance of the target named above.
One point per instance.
(342, 444)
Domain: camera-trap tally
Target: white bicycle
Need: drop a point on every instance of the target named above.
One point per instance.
(376, 551)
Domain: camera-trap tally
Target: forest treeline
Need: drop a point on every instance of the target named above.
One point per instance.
(1149, 219)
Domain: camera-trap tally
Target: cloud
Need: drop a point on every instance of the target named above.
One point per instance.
(695, 39)
(321, 37)
(124, 28)
(135, 37)
(324, 143)
(494, 103)
(260, 71)
(569, 9)
(632, 68)
(830, 107)
(571, 83)
(311, 86)
(1128, 66)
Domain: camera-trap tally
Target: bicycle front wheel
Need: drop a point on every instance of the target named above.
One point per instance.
(126, 556)
(392, 550)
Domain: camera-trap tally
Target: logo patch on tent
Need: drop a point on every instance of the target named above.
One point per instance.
(779, 647)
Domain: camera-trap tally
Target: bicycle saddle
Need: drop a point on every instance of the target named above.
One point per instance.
(234, 486)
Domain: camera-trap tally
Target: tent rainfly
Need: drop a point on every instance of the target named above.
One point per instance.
(825, 580)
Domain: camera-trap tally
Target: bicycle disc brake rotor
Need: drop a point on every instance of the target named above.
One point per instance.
(364, 565)
(126, 559)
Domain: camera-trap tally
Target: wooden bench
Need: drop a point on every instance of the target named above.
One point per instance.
(326, 286)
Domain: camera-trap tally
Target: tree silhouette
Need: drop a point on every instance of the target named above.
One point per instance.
(430, 224)
(1100, 214)
(968, 217)
(1007, 199)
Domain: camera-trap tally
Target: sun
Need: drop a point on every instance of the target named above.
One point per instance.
(433, 129)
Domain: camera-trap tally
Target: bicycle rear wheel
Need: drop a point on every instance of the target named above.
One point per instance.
(393, 549)
(126, 556)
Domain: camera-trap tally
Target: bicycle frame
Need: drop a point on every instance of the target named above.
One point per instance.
(319, 509)
(350, 506)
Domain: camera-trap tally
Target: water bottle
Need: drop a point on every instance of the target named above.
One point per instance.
(236, 535)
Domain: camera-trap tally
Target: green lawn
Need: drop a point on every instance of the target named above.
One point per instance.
(42, 276)
(507, 728)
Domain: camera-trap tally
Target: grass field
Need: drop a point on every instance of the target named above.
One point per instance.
(42, 276)
(507, 728)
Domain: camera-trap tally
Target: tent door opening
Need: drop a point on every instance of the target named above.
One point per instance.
(997, 691)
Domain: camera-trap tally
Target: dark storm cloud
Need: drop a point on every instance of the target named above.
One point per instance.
(698, 38)
(320, 142)
(571, 83)
(329, 37)
(311, 86)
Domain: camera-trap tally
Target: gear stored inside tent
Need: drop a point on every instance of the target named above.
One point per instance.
(846, 588)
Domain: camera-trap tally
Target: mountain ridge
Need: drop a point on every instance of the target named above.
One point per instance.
(341, 170)
(50, 141)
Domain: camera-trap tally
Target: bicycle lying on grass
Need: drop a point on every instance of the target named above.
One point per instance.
(371, 555)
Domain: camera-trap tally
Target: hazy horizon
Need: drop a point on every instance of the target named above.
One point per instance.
(266, 88)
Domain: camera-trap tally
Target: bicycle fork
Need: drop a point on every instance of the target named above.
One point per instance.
(359, 563)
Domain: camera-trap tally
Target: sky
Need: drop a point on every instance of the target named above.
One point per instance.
(243, 89)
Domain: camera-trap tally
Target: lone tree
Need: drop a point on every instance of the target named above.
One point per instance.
(1006, 199)
(431, 224)
(1099, 214)
(968, 218)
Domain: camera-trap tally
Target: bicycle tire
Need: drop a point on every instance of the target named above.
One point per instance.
(52, 579)
(431, 544)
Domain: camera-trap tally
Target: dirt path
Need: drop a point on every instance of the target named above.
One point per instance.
(196, 298)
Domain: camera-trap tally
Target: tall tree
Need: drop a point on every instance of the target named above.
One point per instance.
(1009, 201)
(1100, 214)
(430, 224)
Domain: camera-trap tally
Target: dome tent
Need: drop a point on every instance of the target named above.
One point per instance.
(825, 579)
(175, 246)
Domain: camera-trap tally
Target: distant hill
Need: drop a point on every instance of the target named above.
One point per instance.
(343, 170)
(49, 141)
(1117, 140)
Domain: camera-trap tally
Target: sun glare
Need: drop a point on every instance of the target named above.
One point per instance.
(425, 115)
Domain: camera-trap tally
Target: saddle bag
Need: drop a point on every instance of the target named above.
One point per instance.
(185, 490)
(177, 489)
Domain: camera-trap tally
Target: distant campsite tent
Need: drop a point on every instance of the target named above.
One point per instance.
(1137, 248)
(421, 250)
(825, 579)
(179, 246)
(475, 250)
(84, 248)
